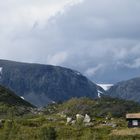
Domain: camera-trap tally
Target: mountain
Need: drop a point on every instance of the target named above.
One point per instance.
(9, 98)
(129, 90)
(42, 84)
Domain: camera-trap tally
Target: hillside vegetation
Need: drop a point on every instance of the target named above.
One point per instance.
(66, 121)
(10, 104)
(10, 98)
(96, 108)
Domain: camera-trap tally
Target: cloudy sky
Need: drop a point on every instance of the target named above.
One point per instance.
(99, 38)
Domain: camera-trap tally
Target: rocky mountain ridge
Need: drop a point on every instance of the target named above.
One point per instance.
(42, 84)
(128, 90)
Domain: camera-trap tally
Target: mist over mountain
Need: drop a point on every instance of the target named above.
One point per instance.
(91, 36)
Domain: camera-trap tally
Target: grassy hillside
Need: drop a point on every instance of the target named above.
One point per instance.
(50, 123)
(95, 108)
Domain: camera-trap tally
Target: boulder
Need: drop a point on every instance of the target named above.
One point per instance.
(87, 119)
(69, 120)
(79, 117)
(89, 124)
(73, 122)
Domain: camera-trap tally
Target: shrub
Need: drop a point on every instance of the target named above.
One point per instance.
(48, 133)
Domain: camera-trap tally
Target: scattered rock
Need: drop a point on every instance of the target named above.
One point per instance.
(108, 118)
(79, 117)
(104, 122)
(62, 115)
(87, 119)
(111, 124)
(69, 120)
(89, 124)
(73, 122)
(112, 119)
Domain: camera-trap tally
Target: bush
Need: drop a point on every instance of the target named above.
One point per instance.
(48, 133)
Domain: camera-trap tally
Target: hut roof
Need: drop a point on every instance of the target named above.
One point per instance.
(133, 116)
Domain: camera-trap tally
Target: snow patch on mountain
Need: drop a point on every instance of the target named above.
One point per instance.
(105, 86)
(77, 73)
(99, 93)
(22, 97)
(1, 68)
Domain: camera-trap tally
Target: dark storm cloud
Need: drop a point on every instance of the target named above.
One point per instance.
(100, 38)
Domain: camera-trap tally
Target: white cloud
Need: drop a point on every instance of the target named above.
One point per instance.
(92, 71)
(23, 13)
(91, 36)
(134, 64)
(57, 59)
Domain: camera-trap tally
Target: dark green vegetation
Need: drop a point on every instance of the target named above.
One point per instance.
(11, 104)
(101, 107)
(10, 98)
(50, 123)
(42, 84)
(128, 90)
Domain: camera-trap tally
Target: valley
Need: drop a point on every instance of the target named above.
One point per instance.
(44, 102)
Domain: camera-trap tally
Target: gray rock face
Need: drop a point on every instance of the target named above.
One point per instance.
(42, 84)
(129, 90)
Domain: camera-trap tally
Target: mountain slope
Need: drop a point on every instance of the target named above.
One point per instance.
(7, 97)
(41, 84)
(129, 90)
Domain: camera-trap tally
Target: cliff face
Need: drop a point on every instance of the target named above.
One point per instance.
(41, 84)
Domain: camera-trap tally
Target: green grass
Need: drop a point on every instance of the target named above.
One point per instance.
(51, 125)
(41, 128)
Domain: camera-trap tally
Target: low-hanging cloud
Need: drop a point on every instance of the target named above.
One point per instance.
(99, 38)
